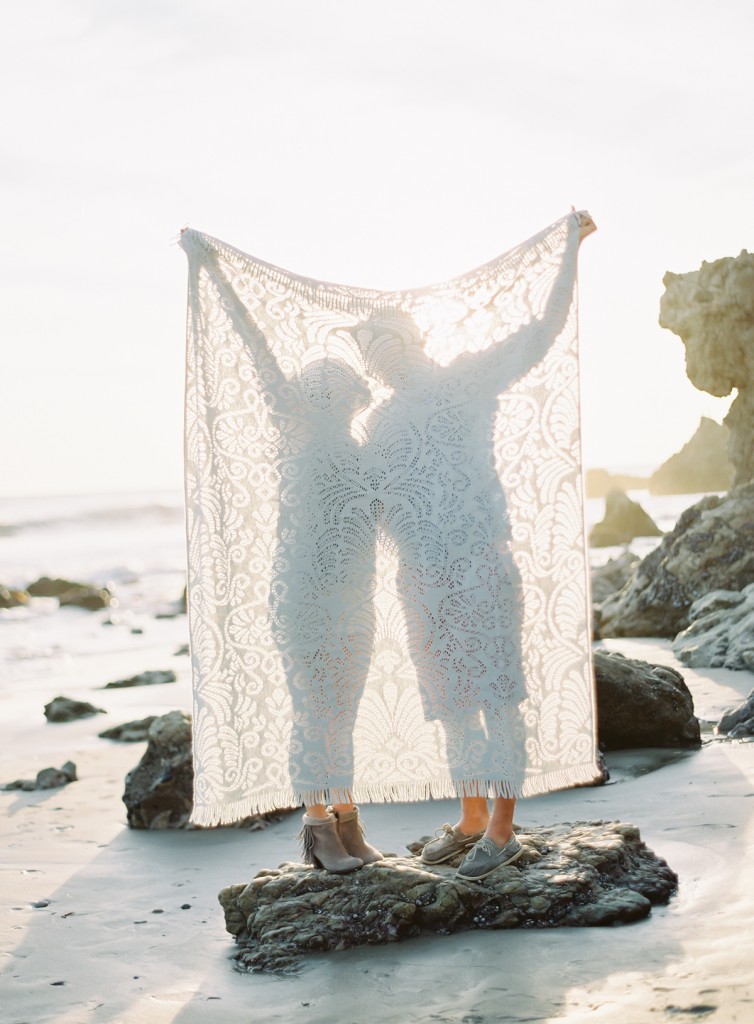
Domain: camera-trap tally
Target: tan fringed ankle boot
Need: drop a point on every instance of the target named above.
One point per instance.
(351, 832)
(324, 848)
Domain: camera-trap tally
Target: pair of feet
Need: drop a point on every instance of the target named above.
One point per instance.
(483, 854)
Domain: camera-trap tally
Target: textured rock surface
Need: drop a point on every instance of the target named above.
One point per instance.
(701, 465)
(624, 520)
(610, 577)
(129, 732)
(154, 677)
(574, 874)
(64, 709)
(642, 705)
(158, 791)
(711, 548)
(69, 592)
(738, 721)
(721, 633)
(712, 311)
(48, 778)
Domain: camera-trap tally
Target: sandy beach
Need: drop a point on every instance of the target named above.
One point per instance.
(127, 926)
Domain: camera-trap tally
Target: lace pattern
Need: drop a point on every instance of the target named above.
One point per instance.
(387, 570)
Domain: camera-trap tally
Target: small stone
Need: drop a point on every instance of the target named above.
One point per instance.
(39, 904)
(64, 709)
(153, 678)
(185, 906)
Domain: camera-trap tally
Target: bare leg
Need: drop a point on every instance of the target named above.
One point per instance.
(475, 817)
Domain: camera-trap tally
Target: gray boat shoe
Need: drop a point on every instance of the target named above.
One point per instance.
(450, 841)
(486, 856)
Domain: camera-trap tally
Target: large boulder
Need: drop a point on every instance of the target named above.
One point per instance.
(642, 705)
(738, 721)
(612, 576)
(701, 465)
(159, 790)
(574, 875)
(721, 631)
(712, 311)
(624, 520)
(711, 548)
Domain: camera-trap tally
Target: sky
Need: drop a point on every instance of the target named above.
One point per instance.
(383, 143)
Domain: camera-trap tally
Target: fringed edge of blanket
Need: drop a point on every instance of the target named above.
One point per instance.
(227, 812)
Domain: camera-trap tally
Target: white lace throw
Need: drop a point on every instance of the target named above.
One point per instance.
(387, 572)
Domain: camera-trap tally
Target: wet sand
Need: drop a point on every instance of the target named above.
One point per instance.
(113, 943)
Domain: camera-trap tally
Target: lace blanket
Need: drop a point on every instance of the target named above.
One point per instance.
(387, 576)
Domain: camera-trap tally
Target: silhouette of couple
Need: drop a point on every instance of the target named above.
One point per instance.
(421, 477)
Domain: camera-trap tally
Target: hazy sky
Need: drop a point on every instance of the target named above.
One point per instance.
(387, 143)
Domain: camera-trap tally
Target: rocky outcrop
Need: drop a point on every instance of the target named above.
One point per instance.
(574, 875)
(48, 778)
(712, 311)
(642, 705)
(69, 592)
(612, 576)
(739, 721)
(158, 791)
(12, 598)
(155, 677)
(624, 520)
(64, 709)
(711, 548)
(721, 631)
(701, 465)
(130, 732)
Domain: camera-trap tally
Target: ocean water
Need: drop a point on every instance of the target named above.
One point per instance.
(134, 544)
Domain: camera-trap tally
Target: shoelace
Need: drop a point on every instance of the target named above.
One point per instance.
(483, 845)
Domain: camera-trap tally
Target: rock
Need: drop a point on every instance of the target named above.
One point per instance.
(158, 791)
(642, 705)
(47, 778)
(153, 678)
(701, 465)
(129, 732)
(68, 592)
(624, 520)
(738, 721)
(721, 631)
(611, 576)
(711, 548)
(573, 875)
(712, 311)
(181, 651)
(599, 482)
(63, 709)
(12, 598)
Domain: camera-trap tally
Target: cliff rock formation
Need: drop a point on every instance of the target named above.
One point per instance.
(712, 311)
(710, 548)
(701, 465)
